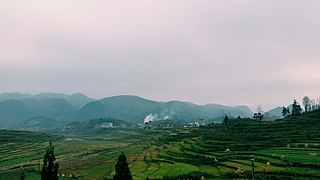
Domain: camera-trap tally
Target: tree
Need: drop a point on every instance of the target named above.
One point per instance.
(22, 174)
(313, 104)
(285, 111)
(49, 169)
(226, 120)
(296, 109)
(259, 114)
(306, 103)
(122, 169)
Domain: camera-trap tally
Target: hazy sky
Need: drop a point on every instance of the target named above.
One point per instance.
(232, 52)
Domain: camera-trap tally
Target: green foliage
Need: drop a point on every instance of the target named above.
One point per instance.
(49, 168)
(190, 176)
(296, 108)
(23, 175)
(259, 114)
(230, 175)
(122, 169)
(225, 120)
(283, 149)
(285, 111)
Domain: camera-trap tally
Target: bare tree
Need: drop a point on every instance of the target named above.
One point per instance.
(306, 103)
(313, 104)
(259, 109)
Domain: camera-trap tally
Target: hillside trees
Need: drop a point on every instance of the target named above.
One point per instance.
(285, 111)
(296, 108)
(49, 168)
(122, 169)
(313, 105)
(259, 114)
(310, 104)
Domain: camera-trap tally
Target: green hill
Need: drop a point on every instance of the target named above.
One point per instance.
(40, 122)
(15, 108)
(134, 109)
(12, 111)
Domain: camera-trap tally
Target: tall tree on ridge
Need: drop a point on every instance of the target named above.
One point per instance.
(296, 109)
(49, 168)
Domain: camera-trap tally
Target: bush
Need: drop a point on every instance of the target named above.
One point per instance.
(190, 176)
(230, 175)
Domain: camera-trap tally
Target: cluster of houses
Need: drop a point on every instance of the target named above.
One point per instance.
(197, 123)
(147, 125)
(106, 125)
(103, 125)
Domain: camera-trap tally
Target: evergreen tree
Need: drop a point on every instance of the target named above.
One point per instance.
(285, 111)
(49, 168)
(296, 109)
(288, 111)
(226, 120)
(122, 169)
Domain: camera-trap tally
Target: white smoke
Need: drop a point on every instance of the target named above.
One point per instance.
(166, 118)
(151, 118)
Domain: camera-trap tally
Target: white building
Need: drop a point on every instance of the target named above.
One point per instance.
(199, 122)
(106, 125)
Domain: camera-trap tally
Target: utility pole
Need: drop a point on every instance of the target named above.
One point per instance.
(38, 153)
(252, 164)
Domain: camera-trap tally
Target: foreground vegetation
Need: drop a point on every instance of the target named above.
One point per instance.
(282, 149)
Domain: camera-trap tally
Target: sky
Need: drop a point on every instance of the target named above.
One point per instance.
(231, 52)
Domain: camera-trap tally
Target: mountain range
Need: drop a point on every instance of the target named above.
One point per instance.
(25, 110)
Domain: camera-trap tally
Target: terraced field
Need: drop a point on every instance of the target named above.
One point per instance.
(286, 149)
(83, 155)
(283, 149)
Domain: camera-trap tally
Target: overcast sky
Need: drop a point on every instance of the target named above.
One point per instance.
(231, 52)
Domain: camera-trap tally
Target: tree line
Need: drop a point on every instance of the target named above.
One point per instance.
(308, 104)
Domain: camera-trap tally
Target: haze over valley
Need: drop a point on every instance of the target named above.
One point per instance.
(18, 110)
(159, 90)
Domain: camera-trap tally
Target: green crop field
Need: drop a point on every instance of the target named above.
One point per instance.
(282, 149)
